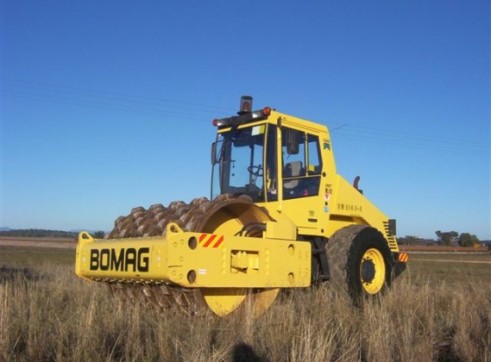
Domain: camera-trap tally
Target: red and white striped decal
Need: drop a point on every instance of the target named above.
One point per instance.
(210, 240)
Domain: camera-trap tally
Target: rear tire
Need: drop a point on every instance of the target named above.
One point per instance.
(360, 262)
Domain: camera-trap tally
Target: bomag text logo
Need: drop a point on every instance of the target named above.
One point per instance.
(130, 259)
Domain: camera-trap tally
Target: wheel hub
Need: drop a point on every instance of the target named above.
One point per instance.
(367, 271)
(372, 271)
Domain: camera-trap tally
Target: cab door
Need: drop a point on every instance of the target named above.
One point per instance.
(301, 172)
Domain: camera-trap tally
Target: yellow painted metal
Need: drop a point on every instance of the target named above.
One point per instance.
(197, 260)
(260, 300)
(337, 205)
(224, 301)
(234, 270)
(348, 205)
(282, 228)
(253, 302)
(374, 258)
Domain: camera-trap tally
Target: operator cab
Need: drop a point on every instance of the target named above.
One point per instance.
(245, 157)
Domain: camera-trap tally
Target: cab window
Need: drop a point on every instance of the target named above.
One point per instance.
(301, 163)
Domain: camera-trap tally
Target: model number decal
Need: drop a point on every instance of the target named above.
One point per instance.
(349, 207)
(130, 259)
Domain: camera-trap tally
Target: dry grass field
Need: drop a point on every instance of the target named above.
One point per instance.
(440, 310)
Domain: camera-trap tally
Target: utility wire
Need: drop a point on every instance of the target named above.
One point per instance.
(123, 102)
(114, 96)
(396, 138)
(107, 100)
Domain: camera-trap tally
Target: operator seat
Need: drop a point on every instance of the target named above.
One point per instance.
(292, 169)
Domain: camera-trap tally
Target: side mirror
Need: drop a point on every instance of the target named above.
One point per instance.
(214, 153)
(292, 142)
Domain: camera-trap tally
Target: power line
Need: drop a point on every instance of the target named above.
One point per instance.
(77, 91)
(123, 102)
(412, 140)
(107, 100)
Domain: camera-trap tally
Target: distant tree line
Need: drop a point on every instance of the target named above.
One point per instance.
(39, 233)
(98, 234)
(453, 237)
(446, 238)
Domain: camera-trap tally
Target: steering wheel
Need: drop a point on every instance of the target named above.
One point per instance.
(255, 170)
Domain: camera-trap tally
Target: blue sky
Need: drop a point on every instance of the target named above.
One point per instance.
(107, 105)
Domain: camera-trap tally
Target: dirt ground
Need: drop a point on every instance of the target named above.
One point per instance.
(38, 242)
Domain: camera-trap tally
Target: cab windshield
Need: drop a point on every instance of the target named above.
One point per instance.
(238, 163)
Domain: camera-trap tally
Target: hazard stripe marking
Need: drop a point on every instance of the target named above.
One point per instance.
(403, 257)
(217, 244)
(209, 241)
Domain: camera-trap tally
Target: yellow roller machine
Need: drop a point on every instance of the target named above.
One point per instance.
(279, 216)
